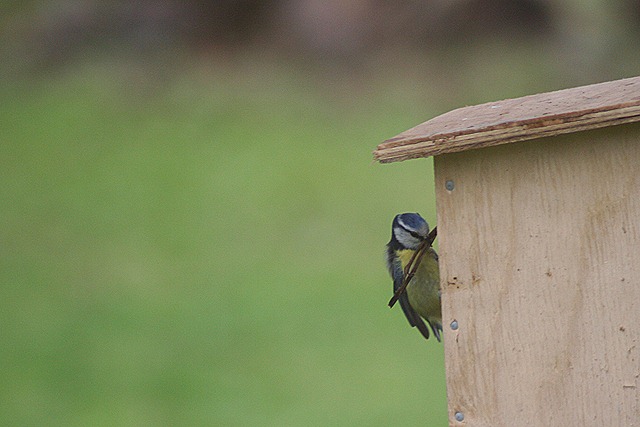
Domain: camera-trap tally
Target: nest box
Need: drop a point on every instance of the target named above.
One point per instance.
(538, 205)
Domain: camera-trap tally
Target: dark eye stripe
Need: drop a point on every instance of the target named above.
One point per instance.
(413, 233)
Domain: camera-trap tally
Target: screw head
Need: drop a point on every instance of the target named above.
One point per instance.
(449, 185)
(454, 325)
(459, 416)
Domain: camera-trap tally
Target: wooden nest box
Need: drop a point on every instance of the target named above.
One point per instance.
(538, 204)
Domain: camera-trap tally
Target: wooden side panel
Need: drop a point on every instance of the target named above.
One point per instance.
(540, 267)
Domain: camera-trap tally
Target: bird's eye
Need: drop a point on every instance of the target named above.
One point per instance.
(407, 238)
(416, 235)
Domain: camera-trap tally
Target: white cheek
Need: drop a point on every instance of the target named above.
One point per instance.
(406, 239)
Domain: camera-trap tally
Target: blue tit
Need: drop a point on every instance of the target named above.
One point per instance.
(422, 297)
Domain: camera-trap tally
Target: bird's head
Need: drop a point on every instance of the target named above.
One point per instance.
(408, 231)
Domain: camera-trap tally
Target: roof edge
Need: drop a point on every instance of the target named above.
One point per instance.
(520, 119)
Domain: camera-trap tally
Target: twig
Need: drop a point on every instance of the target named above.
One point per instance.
(413, 264)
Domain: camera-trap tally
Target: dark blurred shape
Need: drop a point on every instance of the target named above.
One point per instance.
(338, 28)
(477, 18)
(39, 33)
(48, 34)
(226, 21)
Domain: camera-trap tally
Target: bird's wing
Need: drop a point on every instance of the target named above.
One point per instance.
(413, 317)
(435, 326)
(395, 269)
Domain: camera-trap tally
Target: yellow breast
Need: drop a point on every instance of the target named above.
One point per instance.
(424, 289)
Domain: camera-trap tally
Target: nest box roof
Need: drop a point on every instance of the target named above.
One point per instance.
(535, 116)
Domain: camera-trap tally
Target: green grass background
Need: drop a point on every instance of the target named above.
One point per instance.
(206, 250)
(205, 246)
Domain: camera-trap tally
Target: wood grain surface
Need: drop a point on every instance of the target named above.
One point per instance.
(540, 267)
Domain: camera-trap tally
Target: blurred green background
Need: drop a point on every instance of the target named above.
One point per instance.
(192, 226)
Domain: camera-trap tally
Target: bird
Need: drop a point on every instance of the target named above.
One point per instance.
(422, 297)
